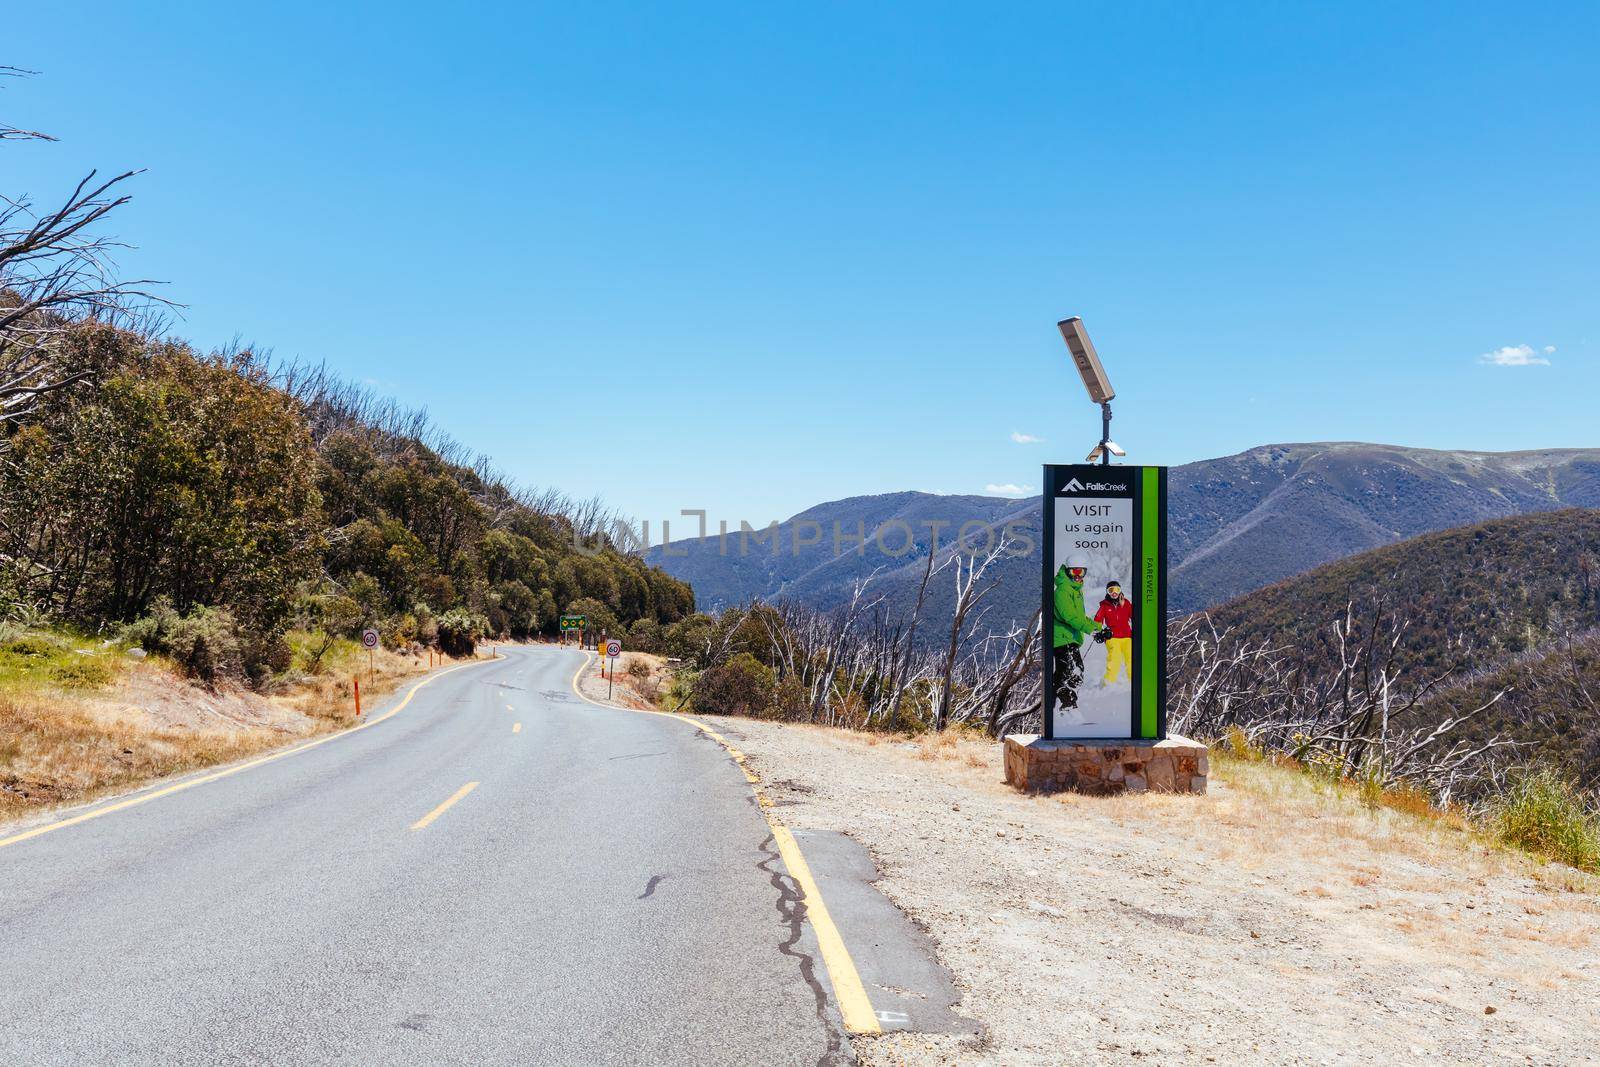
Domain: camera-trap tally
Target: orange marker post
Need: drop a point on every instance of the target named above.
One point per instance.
(358, 695)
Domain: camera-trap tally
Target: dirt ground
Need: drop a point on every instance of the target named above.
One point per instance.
(1272, 921)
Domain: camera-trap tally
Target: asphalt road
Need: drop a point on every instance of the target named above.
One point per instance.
(608, 892)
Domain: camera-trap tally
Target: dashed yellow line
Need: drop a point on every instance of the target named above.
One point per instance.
(848, 990)
(516, 727)
(422, 823)
(178, 787)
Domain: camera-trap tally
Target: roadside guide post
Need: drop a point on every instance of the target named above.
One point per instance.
(613, 650)
(369, 641)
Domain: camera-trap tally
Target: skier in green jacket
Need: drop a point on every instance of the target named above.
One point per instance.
(1071, 625)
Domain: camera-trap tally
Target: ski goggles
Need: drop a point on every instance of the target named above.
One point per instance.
(1077, 573)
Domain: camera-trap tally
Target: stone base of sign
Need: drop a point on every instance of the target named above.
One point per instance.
(1176, 765)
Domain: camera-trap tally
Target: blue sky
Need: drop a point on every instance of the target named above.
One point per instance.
(761, 256)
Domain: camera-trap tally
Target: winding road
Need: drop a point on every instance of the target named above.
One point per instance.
(497, 872)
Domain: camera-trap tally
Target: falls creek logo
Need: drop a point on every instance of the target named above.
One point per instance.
(1075, 486)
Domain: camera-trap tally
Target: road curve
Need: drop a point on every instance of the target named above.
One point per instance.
(594, 886)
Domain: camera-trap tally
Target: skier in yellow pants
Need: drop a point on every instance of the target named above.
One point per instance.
(1116, 615)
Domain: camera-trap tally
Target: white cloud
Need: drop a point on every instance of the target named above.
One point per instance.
(1025, 438)
(1549, 349)
(1516, 356)
(1006, 490)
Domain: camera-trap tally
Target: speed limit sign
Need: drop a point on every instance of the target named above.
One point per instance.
(369, 638)
(613, 648)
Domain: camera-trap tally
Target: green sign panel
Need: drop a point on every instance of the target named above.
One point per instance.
(574, 622)
(1105, 602)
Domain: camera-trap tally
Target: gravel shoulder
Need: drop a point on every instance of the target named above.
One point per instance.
(1272, 920)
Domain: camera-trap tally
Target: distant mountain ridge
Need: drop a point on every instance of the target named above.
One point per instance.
(1510, 605)
(1237, 523)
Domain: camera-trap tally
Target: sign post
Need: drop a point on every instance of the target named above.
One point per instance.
(369, 641)
(1105, 602)
(573, 623)
(613, 650)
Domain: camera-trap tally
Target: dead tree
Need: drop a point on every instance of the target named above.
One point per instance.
(55, 273)
(970, 589)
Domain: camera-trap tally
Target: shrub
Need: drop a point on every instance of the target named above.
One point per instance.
(264, 655)
(741, 686)
(791, 702)
(686, 639)
(645, 636)
(34, 645)
(1543, 814)
(204, 643)
(638, 669)
(459, 632)
(80, 672)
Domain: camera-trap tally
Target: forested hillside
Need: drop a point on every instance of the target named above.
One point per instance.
(1494, 627)
(204, 506)
(1471, 595)
(205, 501)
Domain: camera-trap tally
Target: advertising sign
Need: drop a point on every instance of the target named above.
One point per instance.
(1105, 602)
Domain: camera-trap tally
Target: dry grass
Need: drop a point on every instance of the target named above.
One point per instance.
(80, 720)
(643, 681)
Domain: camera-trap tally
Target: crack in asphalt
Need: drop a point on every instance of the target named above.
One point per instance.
(636, 755)
(650, 886)
(791, 907)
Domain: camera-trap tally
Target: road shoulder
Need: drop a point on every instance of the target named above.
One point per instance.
(1243, 924)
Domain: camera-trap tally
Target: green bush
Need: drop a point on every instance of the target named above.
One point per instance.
(1543, 814)
(686, 639)
(741, 686)
(80, 672)
(459, 632)
(34, 645)
(645, 636)
(204, 643)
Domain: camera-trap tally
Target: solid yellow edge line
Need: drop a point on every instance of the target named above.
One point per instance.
(859, 1018)
(179, 787)
(422, 823)
(854, 1004)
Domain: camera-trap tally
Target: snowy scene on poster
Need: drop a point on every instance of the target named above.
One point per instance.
(1092, 616)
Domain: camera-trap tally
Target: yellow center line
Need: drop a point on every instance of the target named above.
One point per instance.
(178, 787)
(510, 708)
(854, 1004)
(516, 727)
(422, 823)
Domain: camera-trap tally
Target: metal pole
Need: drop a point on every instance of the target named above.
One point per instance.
(1105, 433)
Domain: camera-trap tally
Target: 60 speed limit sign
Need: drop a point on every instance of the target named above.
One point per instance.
(613, 648)
(369, 638)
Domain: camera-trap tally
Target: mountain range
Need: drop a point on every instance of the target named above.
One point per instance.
(1235, 524)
